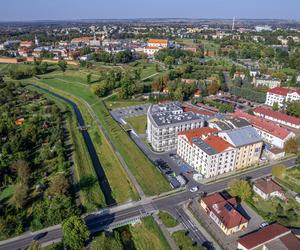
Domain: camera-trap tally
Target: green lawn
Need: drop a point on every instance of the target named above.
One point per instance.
(292, 179)
(104, 241)
(167, 219)
(289, 215)
(7, 192)
(139, 123)
(184, 242)
(148, 236)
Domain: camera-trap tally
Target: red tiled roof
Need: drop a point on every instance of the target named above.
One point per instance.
(217, 143)
(291, 241)
(283, 91)
(224, 210)
(264, 125)
(263, 235)
(190, 134)
(267, 186)
(161, 41)
(277, 115)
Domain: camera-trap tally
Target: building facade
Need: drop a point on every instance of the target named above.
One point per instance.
(165, 121)
(281, 96)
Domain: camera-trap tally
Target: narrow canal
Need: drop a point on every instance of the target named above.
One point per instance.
(102, 179)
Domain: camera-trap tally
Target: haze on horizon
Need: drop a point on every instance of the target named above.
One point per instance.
(20, 10)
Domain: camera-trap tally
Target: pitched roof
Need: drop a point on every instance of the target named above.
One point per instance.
(199, 111)
(283, 91)
(217, 143)
(267, 186)
(269, 233)
(264, 125)
(199, 132)
(162, 41)
(277, 115)
(224, 210)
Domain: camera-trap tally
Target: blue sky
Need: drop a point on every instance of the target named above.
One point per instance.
(21, 10)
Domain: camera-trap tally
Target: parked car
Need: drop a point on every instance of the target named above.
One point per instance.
(194, 189)
(264, 224)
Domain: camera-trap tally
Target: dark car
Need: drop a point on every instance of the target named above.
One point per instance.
(40, 235)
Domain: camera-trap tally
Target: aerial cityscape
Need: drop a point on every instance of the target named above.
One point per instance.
(149, 126)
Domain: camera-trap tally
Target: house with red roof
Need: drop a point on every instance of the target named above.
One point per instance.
(282, 96)
(277, 117)
(224, 213)
(271, 237)
(154, 45)
(267, 188)
(209, 154)
(269, 132)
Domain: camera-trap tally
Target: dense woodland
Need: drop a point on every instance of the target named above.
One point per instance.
(34, 171)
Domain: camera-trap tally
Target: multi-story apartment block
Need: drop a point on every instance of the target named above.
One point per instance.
(165, 121)
(282, 96)
(271, 133)
(267, 82)
(206, 152)
(247, 143)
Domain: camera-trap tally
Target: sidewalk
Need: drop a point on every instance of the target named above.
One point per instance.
(202, 229)
(165, 232)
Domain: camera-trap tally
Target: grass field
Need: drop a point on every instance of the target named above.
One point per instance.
(122, 188)
(7, 192)
(106, 242)
(121, 104)
(184, 242)
(292, 179)
(148, 236)
(167, 219)
(139, 123)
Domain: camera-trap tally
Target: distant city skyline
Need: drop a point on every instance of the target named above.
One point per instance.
(31, 10)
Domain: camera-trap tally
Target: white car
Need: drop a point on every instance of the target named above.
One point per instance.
(194, 189)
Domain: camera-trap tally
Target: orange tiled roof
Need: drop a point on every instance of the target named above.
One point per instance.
(190, 134)
(217, 143)
(161, 41)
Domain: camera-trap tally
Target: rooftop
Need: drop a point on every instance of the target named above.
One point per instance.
(165, 41)
(199, 132)
(282, 91)
(277, 115)
(243, 136)
(225, 210)
(268, 234)
(264, 125)
(267, 186)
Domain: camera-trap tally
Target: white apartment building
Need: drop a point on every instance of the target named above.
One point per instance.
(207, 153)
(268, 82)
(165, 121)
(282, 96)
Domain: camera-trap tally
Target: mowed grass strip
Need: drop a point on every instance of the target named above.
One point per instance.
(167, 219)
(138, 123)
(149, 178)
(148, 236)
(122, 188)
(184, 242)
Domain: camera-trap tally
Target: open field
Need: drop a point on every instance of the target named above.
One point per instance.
(184, 242)
(147, 235)
(167, 219)
(120, 104)
(292, 179)
(122, 188)
(138, 123)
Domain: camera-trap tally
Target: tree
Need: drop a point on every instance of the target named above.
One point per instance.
(291, 146)
(213, 88)
(23, 171)
(279, 171)
(62, 65)
(59, 185)
(275, 106)
(240, 188)
(35, 245)
(293, 109)
(19, 198)
(178, 94)
(88, 78)
(169, 60)
(232, 70)
(75, 232)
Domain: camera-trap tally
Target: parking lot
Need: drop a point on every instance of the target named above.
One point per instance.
(237, 102)
(120, 114)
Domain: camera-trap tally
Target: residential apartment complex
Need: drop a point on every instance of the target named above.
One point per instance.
(277, 117)
(207, 153)
(269, 132)
(224, 213)
(165, 121)
(267, 82)
(282, 96)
